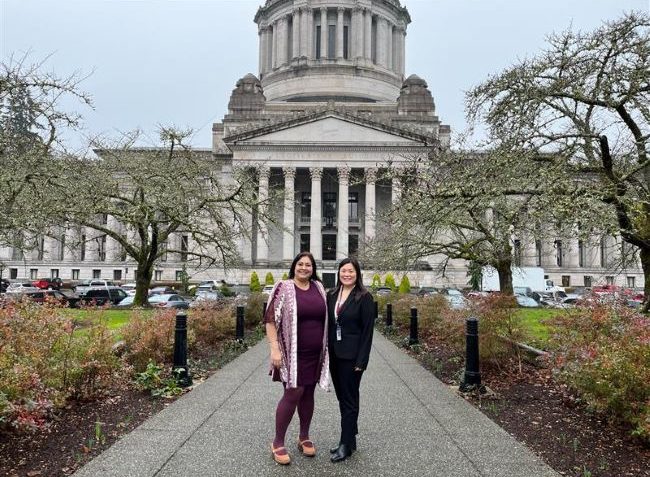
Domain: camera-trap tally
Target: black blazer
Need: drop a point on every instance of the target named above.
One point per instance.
(357, 319)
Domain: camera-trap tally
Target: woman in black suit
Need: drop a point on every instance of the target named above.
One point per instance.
(351, 317)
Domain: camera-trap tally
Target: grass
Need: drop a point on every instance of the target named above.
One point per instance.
(115, 318)
(533, 320)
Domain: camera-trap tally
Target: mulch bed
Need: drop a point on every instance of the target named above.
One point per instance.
(546, 416)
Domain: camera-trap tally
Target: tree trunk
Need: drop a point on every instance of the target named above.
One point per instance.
(645, 265)
(504, 269)
(142, 284)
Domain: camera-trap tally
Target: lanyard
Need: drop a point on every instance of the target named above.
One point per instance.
(338, 304)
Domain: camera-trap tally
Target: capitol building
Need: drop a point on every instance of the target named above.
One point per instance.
(331, 107)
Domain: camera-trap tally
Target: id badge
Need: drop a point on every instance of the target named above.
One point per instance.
(338, 333)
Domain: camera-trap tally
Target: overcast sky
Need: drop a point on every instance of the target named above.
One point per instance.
(176, 61)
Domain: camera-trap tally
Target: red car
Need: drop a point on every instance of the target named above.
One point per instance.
(48, 283)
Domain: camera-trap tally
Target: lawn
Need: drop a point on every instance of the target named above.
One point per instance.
(115, 318)
(532, 319)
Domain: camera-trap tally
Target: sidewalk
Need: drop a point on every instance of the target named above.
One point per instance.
(410, 424)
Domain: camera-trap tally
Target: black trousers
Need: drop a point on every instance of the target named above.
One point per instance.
(346, 384)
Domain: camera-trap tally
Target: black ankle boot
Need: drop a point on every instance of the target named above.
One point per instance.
(343, 452)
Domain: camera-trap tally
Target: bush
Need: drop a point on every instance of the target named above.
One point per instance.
(376, 281)
(211, 324)
(603, 352)
(44, 361)
(269, 280)
(285, 276)
(405, 285)
(254, 306)
(150, 337)
(255, 283)
(389, 282)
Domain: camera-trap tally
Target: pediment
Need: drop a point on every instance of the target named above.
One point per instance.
(328, 130)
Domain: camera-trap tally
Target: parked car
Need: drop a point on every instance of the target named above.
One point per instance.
(40, 296)
(267, 289)
(170, 300)
(160, 291)
(48, 283)
(86, 285)
(384, 291)
(456, 301)
(21, 287)
(129, 288)
(104, 295)
(207, 298)
(427, 291)
(4, 284)
(526, 301)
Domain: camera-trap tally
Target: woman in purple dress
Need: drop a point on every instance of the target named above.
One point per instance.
(296, 315)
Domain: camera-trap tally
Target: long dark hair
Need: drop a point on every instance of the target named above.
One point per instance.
(292, 269)
(359, 289)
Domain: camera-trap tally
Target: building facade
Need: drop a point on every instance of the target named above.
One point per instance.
(330, 110)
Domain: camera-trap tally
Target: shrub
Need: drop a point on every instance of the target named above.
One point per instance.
(603, 352)
(405, 285)
(269, 280)
(255, 283)
(389, 282)
(254, 306)
(210, 325)
(285, 276)
(150, 338)
(376, 281)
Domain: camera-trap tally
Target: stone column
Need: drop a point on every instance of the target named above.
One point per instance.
(304, 31)
(263, 174)
(357, 33)
(382, 42)
(283, 36)
(367, 34)
(112, 246)
(261, 34)
(288, 245)
(295, 50)
(274, 46)
(371, 178)
(389, 46)
(396, 191)
(339, 32)
(323, 32)
(71, 239)
(402, 51)
(311, 49)
(315, 227)
(342, 225)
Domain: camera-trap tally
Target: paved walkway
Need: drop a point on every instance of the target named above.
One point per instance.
(411, 424)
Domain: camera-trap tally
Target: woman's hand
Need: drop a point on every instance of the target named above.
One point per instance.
(276, 356)
(357, 369)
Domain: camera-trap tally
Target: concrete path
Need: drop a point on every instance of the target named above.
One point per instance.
(411, 424)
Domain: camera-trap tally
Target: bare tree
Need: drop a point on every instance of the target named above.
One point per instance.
(586, 100)
(139, 198)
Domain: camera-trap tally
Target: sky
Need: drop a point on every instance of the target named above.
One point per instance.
(148, 63)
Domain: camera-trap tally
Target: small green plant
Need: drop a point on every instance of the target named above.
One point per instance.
(269, 280)
(99, 434)
(389, 282)
(376, 281)
(184, 279)
(255, 283)
(405, 285)
(285, 276)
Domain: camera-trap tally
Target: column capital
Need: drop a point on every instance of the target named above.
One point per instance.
(371, 175)
(344, 174)
(358, 9)
(340, 10)
(316, 173)
(296, 11)
(305, 8)
(323, 10)
(263, 172)
(289, 172)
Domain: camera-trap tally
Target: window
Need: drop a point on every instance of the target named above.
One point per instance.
(75, 274)
(609, 280)
(346, 42)
(631, 282)
(353, 207)
(117, 275)
(581, 254)
(587, 281)
(122, 253)
(54, 273)
(104, 219)
(538, 253)
(101, 242)
(158, 275)
(83, 248)
(566, 280)
(331, 41)
(318, 42)
(97, 274)
(33, 273)
(13, 273)
(180, 275)
(185, 240)
(558, 253)
(517, 253)
(329, 247)
(305, 242)
(62, 247)
(353, 245)
(305, 206)
(329, 209)
(163, 252)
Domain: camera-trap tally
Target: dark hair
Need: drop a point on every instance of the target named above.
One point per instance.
(292, 269)
(359, 289)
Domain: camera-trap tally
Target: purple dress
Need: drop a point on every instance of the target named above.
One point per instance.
(311, 326)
